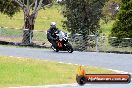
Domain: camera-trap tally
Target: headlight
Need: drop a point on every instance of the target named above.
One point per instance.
(60, 39)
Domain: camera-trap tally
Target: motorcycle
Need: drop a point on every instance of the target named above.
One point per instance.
(62, 43)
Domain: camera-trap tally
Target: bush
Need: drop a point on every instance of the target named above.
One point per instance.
(122, 28)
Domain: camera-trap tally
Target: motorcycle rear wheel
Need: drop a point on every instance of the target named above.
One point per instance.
(56, 50)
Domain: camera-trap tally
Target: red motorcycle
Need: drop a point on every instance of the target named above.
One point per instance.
(62, 43)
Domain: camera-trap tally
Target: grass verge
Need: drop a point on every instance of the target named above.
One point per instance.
(25, 71)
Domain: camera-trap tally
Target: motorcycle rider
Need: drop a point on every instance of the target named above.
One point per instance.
(51, 34)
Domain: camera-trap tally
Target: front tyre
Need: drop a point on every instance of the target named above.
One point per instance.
(69, 47)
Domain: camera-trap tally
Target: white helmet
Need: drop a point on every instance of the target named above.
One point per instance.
(53, 24)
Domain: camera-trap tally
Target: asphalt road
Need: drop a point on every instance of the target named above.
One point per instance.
(121, 62)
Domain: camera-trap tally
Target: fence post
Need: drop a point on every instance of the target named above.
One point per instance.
(30, 36)
(97, 39)
(26, 36)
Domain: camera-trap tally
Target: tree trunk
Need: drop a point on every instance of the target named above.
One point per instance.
(28, 29)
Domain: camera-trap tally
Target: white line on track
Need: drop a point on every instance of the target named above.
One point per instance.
(49, 86)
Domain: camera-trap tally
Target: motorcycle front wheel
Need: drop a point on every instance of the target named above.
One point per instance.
(69, 47)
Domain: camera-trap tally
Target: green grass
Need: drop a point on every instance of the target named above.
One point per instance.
(25, 72)
(16, 35)
(106, 28)
(10, 32)
(42, 22)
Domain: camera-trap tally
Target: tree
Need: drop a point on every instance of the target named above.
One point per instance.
(83, 17)
(9, 7)
(122, 28)
(30, 9)
(110, 10)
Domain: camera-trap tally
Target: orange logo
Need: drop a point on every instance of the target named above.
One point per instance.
(81, 71)
(59, 44)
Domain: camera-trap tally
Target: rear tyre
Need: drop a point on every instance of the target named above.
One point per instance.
(56, 50)
(52, 47)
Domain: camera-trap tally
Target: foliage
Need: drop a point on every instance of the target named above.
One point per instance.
(9, 7)
(109, 10)
(83, 17)
(122, 28)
